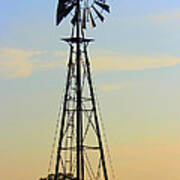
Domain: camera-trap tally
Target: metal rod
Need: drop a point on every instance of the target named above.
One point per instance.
(63, 116)
(95, 113)
(80, 164)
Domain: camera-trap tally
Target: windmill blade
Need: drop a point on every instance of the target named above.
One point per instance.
(64, 13)
(103, 6)
(98, 14)
(63, 9)
(60, 8)
(93, 24)
(84, 19)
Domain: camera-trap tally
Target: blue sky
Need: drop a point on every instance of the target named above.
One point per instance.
(136, 61)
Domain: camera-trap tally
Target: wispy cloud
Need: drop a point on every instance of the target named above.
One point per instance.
(16, 63)
(114, 87)
(167, 17)
(110, 61)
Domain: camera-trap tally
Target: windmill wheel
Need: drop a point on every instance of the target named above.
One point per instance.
(90, 11)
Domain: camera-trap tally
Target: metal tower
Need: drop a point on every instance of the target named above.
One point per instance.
(80, 153)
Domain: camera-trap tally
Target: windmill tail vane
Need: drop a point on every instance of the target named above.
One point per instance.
(80, 148)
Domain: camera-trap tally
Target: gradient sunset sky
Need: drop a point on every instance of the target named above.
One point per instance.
(136, 69)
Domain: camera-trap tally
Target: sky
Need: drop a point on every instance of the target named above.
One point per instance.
(135, 62)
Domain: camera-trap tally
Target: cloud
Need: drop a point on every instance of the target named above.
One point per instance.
(114, 87)
(59, 53)
(167, 17)
(14, 63)
(110, 61)
(19, 63)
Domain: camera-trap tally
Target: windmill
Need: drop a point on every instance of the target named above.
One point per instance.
(80, 152)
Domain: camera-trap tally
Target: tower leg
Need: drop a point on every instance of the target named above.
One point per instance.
(95, 113)
(63, 115)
